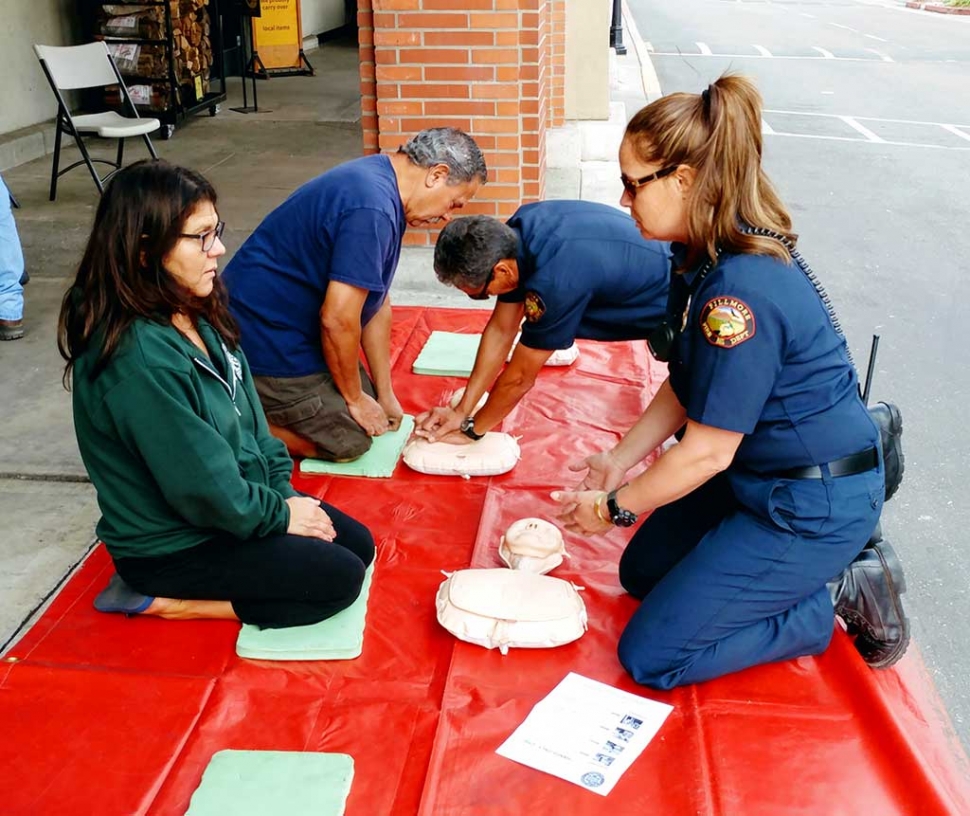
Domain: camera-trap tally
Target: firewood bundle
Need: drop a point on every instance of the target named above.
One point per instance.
(190, 43)
(190, 32)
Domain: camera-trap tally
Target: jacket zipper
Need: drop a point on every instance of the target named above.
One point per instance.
(230, 390)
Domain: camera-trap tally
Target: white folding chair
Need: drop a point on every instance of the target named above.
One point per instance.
(90, 66)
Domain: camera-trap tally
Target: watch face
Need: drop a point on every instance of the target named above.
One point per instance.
(624, 518)
(619, 515)
(467, 427)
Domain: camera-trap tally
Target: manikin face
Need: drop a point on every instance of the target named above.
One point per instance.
(436, 200)
(658, 207)
(187, 262)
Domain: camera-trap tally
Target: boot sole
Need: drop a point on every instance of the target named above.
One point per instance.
(897, 586)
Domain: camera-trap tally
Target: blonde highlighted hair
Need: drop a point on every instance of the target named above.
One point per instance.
(718, 134)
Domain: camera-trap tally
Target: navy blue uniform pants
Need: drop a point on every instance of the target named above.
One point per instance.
(281, 580)
(733, 574)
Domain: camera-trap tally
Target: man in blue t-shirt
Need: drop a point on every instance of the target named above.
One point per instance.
(572, 269)
(309, 289)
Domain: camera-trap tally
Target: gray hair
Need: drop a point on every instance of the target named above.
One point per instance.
(448, 146)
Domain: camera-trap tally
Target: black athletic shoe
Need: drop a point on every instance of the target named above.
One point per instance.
(890, 421)
(11, 329)
(867, 597)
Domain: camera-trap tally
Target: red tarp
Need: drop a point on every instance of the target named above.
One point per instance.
(107, 715)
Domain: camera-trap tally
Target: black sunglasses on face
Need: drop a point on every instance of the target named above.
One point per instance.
(632, 185)
(208, 238)
(482, 294)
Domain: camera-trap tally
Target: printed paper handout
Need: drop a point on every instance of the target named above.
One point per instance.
(586, 732)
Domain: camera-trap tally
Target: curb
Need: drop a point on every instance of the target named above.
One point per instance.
(938, 9)
(651, 83)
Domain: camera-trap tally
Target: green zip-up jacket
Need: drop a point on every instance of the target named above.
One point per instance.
(177, 445)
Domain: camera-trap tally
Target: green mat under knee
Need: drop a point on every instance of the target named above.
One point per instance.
(448, 354)
(379, 461)
(338, 638)
(257, 783)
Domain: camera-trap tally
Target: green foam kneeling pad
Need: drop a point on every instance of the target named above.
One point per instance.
(338, 638)
(256, 783)
(378, 462)
(448, 354)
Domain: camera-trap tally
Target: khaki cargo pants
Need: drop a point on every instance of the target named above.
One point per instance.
(314, 409)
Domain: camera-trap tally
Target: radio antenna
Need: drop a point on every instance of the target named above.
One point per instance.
(871, 369)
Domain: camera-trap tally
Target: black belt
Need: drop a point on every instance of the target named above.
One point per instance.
(846, 466)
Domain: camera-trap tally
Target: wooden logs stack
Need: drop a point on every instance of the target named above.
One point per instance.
(190, 42)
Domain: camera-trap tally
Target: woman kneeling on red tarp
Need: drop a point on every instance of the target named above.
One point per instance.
(198, 513)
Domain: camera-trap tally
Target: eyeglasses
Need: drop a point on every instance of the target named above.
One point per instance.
(632, 185)
(208, 238)
(482, 294)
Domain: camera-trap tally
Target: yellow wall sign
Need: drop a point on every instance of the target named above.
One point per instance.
(278, 34)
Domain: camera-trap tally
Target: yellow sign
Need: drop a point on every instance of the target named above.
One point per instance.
(278, 34)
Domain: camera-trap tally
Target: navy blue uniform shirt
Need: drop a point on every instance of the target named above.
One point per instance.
(759, 356)
(346, 225)
(585, 271)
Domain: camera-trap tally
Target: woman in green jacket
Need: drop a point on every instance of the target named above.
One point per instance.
(198, 512)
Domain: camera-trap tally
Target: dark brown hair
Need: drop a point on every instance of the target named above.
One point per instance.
(718, 134)
(121, 276)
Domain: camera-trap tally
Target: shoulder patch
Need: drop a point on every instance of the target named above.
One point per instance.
(534, 307)
(727, 322)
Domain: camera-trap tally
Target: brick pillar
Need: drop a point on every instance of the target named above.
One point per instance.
(480, 65)
(557, 63)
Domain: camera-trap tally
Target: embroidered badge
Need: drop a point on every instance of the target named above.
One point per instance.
(727, 322)
(534, 307)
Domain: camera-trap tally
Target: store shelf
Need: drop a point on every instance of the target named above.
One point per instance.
(174, 93)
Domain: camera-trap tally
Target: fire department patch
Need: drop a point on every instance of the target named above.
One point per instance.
(727, 322)
(534, 307)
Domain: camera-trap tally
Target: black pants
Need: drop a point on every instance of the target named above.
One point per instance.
(282, 580)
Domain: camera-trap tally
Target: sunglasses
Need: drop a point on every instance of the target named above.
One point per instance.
(482, 294)
(632, 185)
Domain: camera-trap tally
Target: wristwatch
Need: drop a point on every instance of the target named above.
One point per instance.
(467, 427)
(618, 515)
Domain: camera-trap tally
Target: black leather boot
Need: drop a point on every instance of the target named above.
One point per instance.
(867, 597)
(889, 420)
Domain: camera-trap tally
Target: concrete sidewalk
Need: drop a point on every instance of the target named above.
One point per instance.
(305, 126)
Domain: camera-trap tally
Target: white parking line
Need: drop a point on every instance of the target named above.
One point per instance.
(874, 37)
(839, 25)
(955, 131)
(862, 118)
(881, 54)
(962, 131)
(806, 14)
(865, 141)
(683, 54)
(761, 50)
(705, 49)
(823, 52)
(852, 123)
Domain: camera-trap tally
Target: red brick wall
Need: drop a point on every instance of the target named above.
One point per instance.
(485, 66)
(557, 62)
